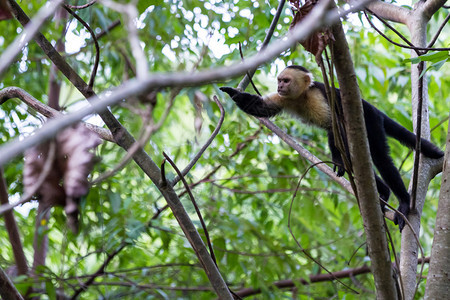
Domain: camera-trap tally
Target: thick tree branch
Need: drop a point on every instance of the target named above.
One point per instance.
(438, 278)
(306, 154)
(430, 7)
(389, 11)
(417, 26)
(7, 288)
(362, 167)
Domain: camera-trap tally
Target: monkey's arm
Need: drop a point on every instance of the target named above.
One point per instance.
(253, 104)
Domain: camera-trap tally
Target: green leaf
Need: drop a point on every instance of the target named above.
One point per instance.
(50, 289)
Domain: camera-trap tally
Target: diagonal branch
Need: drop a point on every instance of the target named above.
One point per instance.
(99, 272)
(13, 230)
(206, 145)
(7, 288)
(27, 34)
(45, 110)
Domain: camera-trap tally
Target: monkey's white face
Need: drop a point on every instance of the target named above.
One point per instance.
(292, 83)
(284, 84)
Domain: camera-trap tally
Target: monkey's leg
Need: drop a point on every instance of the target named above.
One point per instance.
(381, 159)
(383, 191)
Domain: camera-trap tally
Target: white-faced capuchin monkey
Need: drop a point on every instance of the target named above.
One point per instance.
(306, 99)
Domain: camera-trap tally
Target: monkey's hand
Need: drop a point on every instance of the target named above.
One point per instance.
(398, 219)
(252, 104)
(230, 91)
(340, 170)
(243, 100)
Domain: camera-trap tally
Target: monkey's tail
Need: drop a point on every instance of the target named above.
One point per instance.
(408, 138)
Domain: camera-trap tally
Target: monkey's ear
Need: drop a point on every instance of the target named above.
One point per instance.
(230, 91)
(308, 80)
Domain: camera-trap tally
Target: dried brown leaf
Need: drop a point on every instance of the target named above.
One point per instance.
(75, 158)
(318, 40)
(67, 180)
(50, 192)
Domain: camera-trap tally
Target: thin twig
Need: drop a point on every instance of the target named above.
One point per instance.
(163, 182)
(97, 47)
(206, 145)
(419, 50)
(415, 178)
(244, 82)
(197, 210)
(148, 130)
(131, 14)
(99, 272)
(396, 260)
(248, 72)
(438, 32)
(416, 237)
(81, 6)
(145, 137)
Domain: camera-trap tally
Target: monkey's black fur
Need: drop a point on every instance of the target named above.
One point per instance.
(378, 126)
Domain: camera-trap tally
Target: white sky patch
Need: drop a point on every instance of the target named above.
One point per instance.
(274, 139)
(169, 53)
(74, 42)
(246, 13)
(25, 208)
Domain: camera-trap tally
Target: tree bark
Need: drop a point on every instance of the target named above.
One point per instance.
(362, 168)
(438, 280)
(417, 24)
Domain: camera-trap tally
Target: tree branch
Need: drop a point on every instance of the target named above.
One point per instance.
(27, 34)
(437, 280)
(291, 283)
(362, 166)
(99, 272)
(206, 145)
(47, 111)
(389, 11)
(13, 230)
(430, 7)
(7, 288)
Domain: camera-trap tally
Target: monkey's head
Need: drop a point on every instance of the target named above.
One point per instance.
(293, 81)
